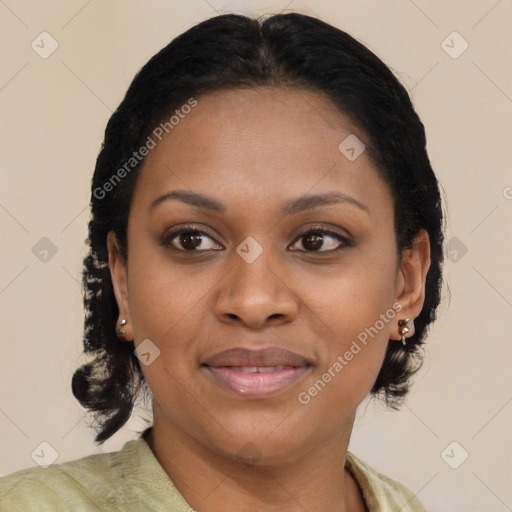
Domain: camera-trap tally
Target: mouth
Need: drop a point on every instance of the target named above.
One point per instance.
(256, 373)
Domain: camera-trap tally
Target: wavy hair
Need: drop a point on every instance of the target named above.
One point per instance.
(233, 51)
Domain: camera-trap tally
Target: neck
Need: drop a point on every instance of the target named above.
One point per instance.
(214, 482)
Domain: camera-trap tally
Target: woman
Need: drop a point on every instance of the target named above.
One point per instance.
(265, 250)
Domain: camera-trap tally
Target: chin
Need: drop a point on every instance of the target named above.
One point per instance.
(254, 445)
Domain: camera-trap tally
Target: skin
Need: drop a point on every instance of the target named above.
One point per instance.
(253, 150)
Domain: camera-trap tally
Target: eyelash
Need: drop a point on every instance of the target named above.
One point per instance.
(167, 239)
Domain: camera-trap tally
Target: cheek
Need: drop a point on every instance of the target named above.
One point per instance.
(356, 344)
(355, 306)
(161, 292)
(163, 299)
(352, 297)
(165, 309)
(169, 305)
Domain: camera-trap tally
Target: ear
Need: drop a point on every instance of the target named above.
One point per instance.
(411, 279)
(119, 275)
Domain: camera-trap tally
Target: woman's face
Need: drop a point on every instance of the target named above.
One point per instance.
(256, 169)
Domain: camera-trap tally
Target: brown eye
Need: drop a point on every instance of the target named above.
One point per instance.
(191, 240)
(321, 240)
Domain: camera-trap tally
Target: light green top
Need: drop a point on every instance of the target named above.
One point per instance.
(132, 479)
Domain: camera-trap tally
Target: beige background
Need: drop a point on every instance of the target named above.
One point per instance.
(53, 115)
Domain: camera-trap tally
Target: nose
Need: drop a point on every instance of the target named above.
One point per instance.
(256, 295)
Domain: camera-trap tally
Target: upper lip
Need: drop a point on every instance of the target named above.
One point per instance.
(271, 356)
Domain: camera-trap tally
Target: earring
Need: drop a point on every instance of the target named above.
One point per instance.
(119, 326)
(403, 329)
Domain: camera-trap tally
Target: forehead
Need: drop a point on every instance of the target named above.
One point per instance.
(262, 144)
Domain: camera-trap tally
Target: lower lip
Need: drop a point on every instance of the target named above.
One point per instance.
(256, 385)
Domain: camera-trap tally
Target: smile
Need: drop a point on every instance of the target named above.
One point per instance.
(261, 369)
(257, 381)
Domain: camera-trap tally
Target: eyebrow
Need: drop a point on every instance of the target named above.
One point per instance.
(192, 198)
(312, 201)
(291, 207)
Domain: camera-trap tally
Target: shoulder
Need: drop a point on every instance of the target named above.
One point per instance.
(91, 482)
(381, 493)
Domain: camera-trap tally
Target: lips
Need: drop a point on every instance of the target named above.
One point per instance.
(267, 357)
(256, 373)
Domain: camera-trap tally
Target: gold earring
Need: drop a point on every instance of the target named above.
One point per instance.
(119, 326)
(403, 329)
